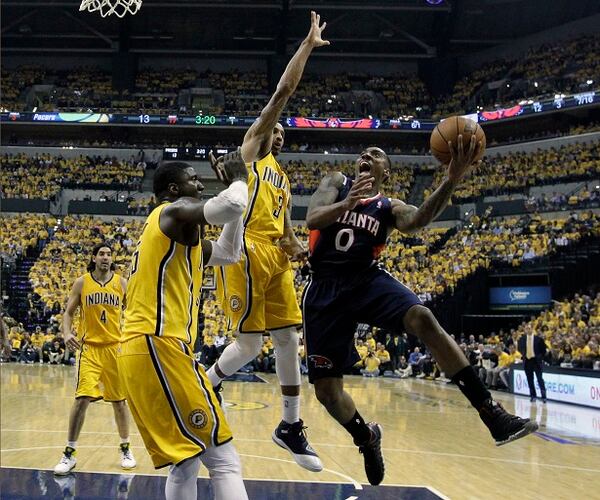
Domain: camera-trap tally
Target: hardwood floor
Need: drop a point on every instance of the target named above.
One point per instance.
(432, 437)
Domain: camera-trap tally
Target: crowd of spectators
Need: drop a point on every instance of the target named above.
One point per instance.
(515, 172)
(395, 147)
(35, 346)
(464, 97)
(571, 330)
(558, 68)
(66, 255)
(15, 81)
(586, 196)
(43, 175)
(141, 206)
(21, 233)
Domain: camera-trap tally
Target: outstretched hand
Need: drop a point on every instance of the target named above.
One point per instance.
(314, 35)
(230, 167)
(462, 162)
(217, 165)
(360, 190)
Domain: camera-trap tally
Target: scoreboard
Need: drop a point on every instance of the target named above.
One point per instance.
(198, 153)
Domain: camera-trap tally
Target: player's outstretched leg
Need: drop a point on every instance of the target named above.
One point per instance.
(237, 354)
(290, 434)
(503, 426)
(330, 393)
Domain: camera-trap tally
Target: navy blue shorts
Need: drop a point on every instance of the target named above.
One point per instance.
(333, 306)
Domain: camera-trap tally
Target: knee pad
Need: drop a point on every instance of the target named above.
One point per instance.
(222, 461)
(249, 344)
(242, 351)
(186, 471)
(287, 362)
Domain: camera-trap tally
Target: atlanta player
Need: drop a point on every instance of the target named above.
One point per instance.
(349, 222)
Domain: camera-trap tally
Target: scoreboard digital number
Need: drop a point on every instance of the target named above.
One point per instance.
(205, 120)
(145, 119)
(198, 153)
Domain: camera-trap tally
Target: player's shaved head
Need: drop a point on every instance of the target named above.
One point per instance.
(168, 173)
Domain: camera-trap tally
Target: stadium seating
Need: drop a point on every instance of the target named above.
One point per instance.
(571, 329)
(66, 255)
(21, 233)
(43, 175)
(515, 172)
(563, 67)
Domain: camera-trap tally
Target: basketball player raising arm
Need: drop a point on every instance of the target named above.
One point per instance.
(258, 292)
(173, 404)
(350, 222)
(408, 218)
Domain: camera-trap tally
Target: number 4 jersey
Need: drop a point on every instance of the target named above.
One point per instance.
(100, 309)
(355, 240)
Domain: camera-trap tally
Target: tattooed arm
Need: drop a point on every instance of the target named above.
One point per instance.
(409, 219)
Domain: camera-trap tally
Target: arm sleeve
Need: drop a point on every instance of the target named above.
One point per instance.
(228, 248)
(228, 205)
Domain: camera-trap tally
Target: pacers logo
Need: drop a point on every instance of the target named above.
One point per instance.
(235, 303)
(198, 419)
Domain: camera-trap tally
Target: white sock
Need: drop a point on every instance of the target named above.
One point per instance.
(291, 409)
(182, 481)
(72, 444)
(125, 440)
(212, 376)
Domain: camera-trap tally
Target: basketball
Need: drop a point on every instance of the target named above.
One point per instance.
(449, 130)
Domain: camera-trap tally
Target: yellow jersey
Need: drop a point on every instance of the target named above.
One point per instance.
(100, 310)
(269, 190)
(163, 292)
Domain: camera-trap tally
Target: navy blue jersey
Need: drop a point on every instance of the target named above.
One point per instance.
(355, 240)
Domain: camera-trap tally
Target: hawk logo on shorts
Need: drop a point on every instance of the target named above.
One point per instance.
(198, 419)
(321, 361)
(235, 303)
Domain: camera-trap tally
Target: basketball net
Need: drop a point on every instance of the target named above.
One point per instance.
(109, 7)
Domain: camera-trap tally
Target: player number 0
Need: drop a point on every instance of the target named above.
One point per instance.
(343, 247)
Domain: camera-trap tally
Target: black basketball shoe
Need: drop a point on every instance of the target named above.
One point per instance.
(504, 426)
(371, 451)
(292, 437)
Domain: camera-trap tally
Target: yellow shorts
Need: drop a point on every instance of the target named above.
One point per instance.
(257, 293)
(98, 365)
(171, 399)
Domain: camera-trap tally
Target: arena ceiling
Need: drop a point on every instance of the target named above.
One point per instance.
(399, 29)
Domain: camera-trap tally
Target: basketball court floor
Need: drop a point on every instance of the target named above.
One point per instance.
(434, 445)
